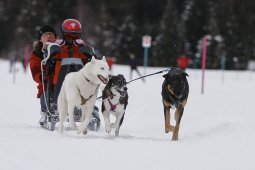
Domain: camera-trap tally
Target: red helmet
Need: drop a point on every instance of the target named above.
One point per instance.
(71, 26)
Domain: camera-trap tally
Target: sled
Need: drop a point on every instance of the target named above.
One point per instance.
(67, 65)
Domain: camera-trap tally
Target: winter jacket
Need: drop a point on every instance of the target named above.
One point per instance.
(37, 56)
(35, 67)
(183, 62)
(66, 52)
(133, 63)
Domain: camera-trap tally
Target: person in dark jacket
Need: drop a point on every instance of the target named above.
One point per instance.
(133, 63)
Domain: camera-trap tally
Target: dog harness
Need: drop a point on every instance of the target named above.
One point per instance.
(83, 100)
(113, 107)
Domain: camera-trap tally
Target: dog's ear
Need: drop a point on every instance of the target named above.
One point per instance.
(123, 79)
(93, 59)
(185, 74)
(110, 82)
(165, 75)
(121, 76)
(179, 71)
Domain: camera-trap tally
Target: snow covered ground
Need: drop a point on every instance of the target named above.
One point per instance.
(217, 129)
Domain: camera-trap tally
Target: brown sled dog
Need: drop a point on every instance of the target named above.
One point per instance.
(175, 91)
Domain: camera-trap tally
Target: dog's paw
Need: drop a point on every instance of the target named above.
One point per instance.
(85, 132)
(72, 126)
(113, 125)
(175, 137)
(79, 130)
(116, 133)
(169, 129)
(108, 129)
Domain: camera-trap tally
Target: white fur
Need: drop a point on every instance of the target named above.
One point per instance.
(74, 86)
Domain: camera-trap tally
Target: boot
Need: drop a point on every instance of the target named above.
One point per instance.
(43, 118)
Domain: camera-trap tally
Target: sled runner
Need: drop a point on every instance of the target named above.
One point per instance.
(67, 65)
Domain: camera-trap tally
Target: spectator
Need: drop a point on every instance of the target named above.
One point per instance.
(110, 61)
(183, 62)
(133, 63)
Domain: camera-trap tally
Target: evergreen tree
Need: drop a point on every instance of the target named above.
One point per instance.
(116, 27)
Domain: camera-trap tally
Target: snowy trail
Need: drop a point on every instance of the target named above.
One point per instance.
(217, 129)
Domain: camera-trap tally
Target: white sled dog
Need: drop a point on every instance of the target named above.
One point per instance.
(80, 89)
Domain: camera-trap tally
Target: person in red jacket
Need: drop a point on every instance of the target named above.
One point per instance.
(74, 54)
(110, 61)
(71, 45)
(183, 62)
(46, 34)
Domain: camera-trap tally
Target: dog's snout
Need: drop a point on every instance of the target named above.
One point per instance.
(109, 76)
(125, 88)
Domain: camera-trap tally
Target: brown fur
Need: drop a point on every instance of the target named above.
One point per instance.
(173, 97)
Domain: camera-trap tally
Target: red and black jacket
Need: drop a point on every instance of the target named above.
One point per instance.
(65, 53)
(35, 67)
(37, 57)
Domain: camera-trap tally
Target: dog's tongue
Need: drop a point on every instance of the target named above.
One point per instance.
(104, 80)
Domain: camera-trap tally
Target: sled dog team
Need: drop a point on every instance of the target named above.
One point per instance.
(80, 90)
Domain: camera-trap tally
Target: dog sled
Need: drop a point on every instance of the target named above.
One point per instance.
(67, 65)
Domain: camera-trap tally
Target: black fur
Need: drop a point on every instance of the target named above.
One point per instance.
(175, 91)
(117, 81)
(116, 84)
(176, 78)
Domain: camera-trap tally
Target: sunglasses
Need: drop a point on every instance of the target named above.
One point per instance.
(71, 36)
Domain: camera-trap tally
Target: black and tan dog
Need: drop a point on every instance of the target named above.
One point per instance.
(115, 100)
(175, 91)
